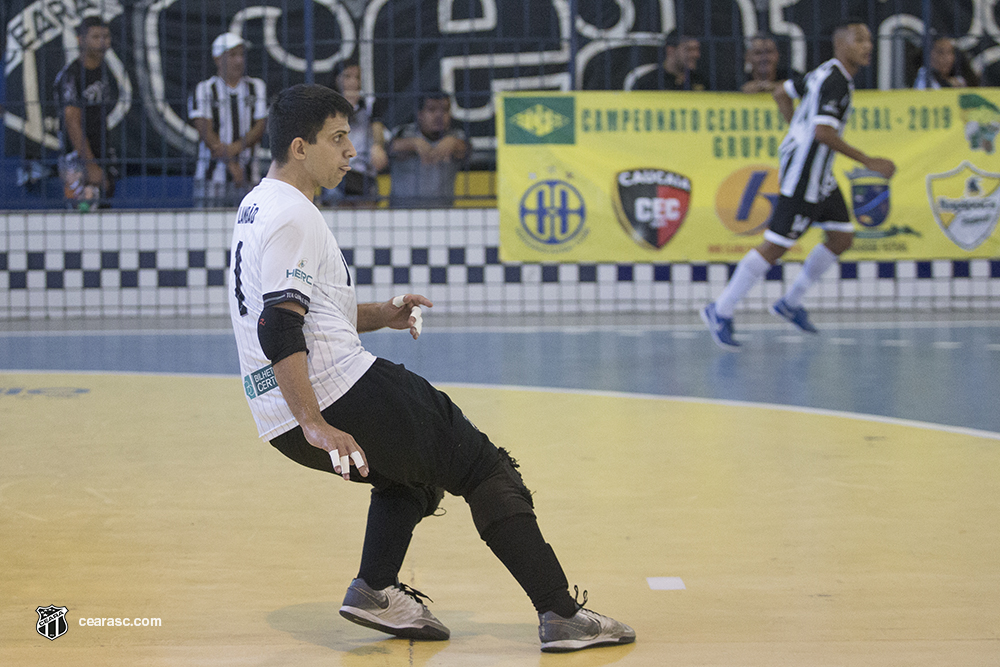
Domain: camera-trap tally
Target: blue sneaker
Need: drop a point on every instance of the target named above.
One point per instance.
(721, 328)
(797, 316)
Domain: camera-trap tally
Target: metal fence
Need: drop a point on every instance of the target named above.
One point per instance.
(470, 49)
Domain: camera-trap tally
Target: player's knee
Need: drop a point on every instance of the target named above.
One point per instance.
(500, 496)
(839, 242)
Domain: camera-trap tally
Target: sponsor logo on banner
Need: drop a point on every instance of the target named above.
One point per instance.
(540, 120)
(651, 204)
(553, 216)
(745, 201)
(966, 203)
(52, 621)
(869, 196)
(982, 121)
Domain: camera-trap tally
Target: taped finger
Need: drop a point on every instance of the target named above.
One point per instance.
(418, 317)
(345, 465)
(334, 458)
(398, 300)
(358, 460)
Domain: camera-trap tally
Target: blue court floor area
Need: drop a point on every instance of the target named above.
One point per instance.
(941, 368)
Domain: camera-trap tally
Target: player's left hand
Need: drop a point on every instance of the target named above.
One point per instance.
(403, 312)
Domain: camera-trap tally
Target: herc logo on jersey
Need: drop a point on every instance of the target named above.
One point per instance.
(651, 204)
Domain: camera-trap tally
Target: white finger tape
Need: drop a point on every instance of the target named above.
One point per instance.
(345, 465)
(418, 324)
(334, 457)
(398, 301)
(356, 457)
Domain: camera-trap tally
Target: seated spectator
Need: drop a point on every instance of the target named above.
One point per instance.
(87, 92)
(762, 65)
(944, 67)
(679, 70)
(229, 111)
(359, 187)
(425, 156)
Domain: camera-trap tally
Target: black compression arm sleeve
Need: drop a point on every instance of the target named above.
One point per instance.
(279, 331)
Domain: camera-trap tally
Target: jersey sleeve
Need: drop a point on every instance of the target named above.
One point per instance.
(199, 106)
(795, 86)
(260, 99)
(834, 101)
(291, 253)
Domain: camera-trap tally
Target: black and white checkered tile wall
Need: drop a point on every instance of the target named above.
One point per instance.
(174, 263)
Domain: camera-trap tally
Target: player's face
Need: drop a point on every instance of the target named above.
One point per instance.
(96, 41)
(858, 45)
(943, 56)
(328, 160)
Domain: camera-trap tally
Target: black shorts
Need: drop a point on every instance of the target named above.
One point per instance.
(792, 216)
(412, 434)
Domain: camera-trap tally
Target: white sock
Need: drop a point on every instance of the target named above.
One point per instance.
(819, 260)
(748, 273)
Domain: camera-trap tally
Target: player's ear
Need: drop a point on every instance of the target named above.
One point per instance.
(297, 149)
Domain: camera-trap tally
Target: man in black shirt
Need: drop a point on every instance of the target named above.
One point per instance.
(86, 93)
(679, 69)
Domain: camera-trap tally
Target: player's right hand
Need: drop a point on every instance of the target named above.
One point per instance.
(344, 450)
(883, 166)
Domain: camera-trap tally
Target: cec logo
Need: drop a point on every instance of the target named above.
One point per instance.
(651, 204)
(540, 120)
(745, 200)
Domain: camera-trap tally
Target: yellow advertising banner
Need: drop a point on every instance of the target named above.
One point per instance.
(681, 177)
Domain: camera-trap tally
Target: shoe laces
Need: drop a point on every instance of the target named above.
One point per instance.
(413, 593)
(576, 596)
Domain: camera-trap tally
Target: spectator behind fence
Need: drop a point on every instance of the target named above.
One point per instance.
(425, 156)
(762, 65)
(359, 187)
(944, 69)
(86, 93)
(229, 111)
(679, 70)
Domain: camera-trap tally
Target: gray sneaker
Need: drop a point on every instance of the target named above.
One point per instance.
(585, 629)
(398, 610)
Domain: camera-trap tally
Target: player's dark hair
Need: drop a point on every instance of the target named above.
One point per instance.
(846, 22)
(431, 95)
(301, 111)
(89, 22)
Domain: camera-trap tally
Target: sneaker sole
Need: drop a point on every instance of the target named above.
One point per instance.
(715, 337)
(569, 645)
(775, 311)
(424, 633)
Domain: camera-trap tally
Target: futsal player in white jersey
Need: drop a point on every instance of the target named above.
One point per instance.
(809, 191)
(327, 403)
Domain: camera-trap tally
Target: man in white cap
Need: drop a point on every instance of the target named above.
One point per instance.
(229, 111)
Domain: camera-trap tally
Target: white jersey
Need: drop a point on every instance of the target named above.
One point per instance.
(283, 251)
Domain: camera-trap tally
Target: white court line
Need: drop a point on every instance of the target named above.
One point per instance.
(959, 430)
(665, 584)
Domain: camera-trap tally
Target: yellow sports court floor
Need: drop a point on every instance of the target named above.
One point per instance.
(726, 532)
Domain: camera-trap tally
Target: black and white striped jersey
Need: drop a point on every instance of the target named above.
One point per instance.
(232, 112)
(806, 165)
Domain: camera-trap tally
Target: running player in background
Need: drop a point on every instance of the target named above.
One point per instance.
(809, 191)
(327, 403)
